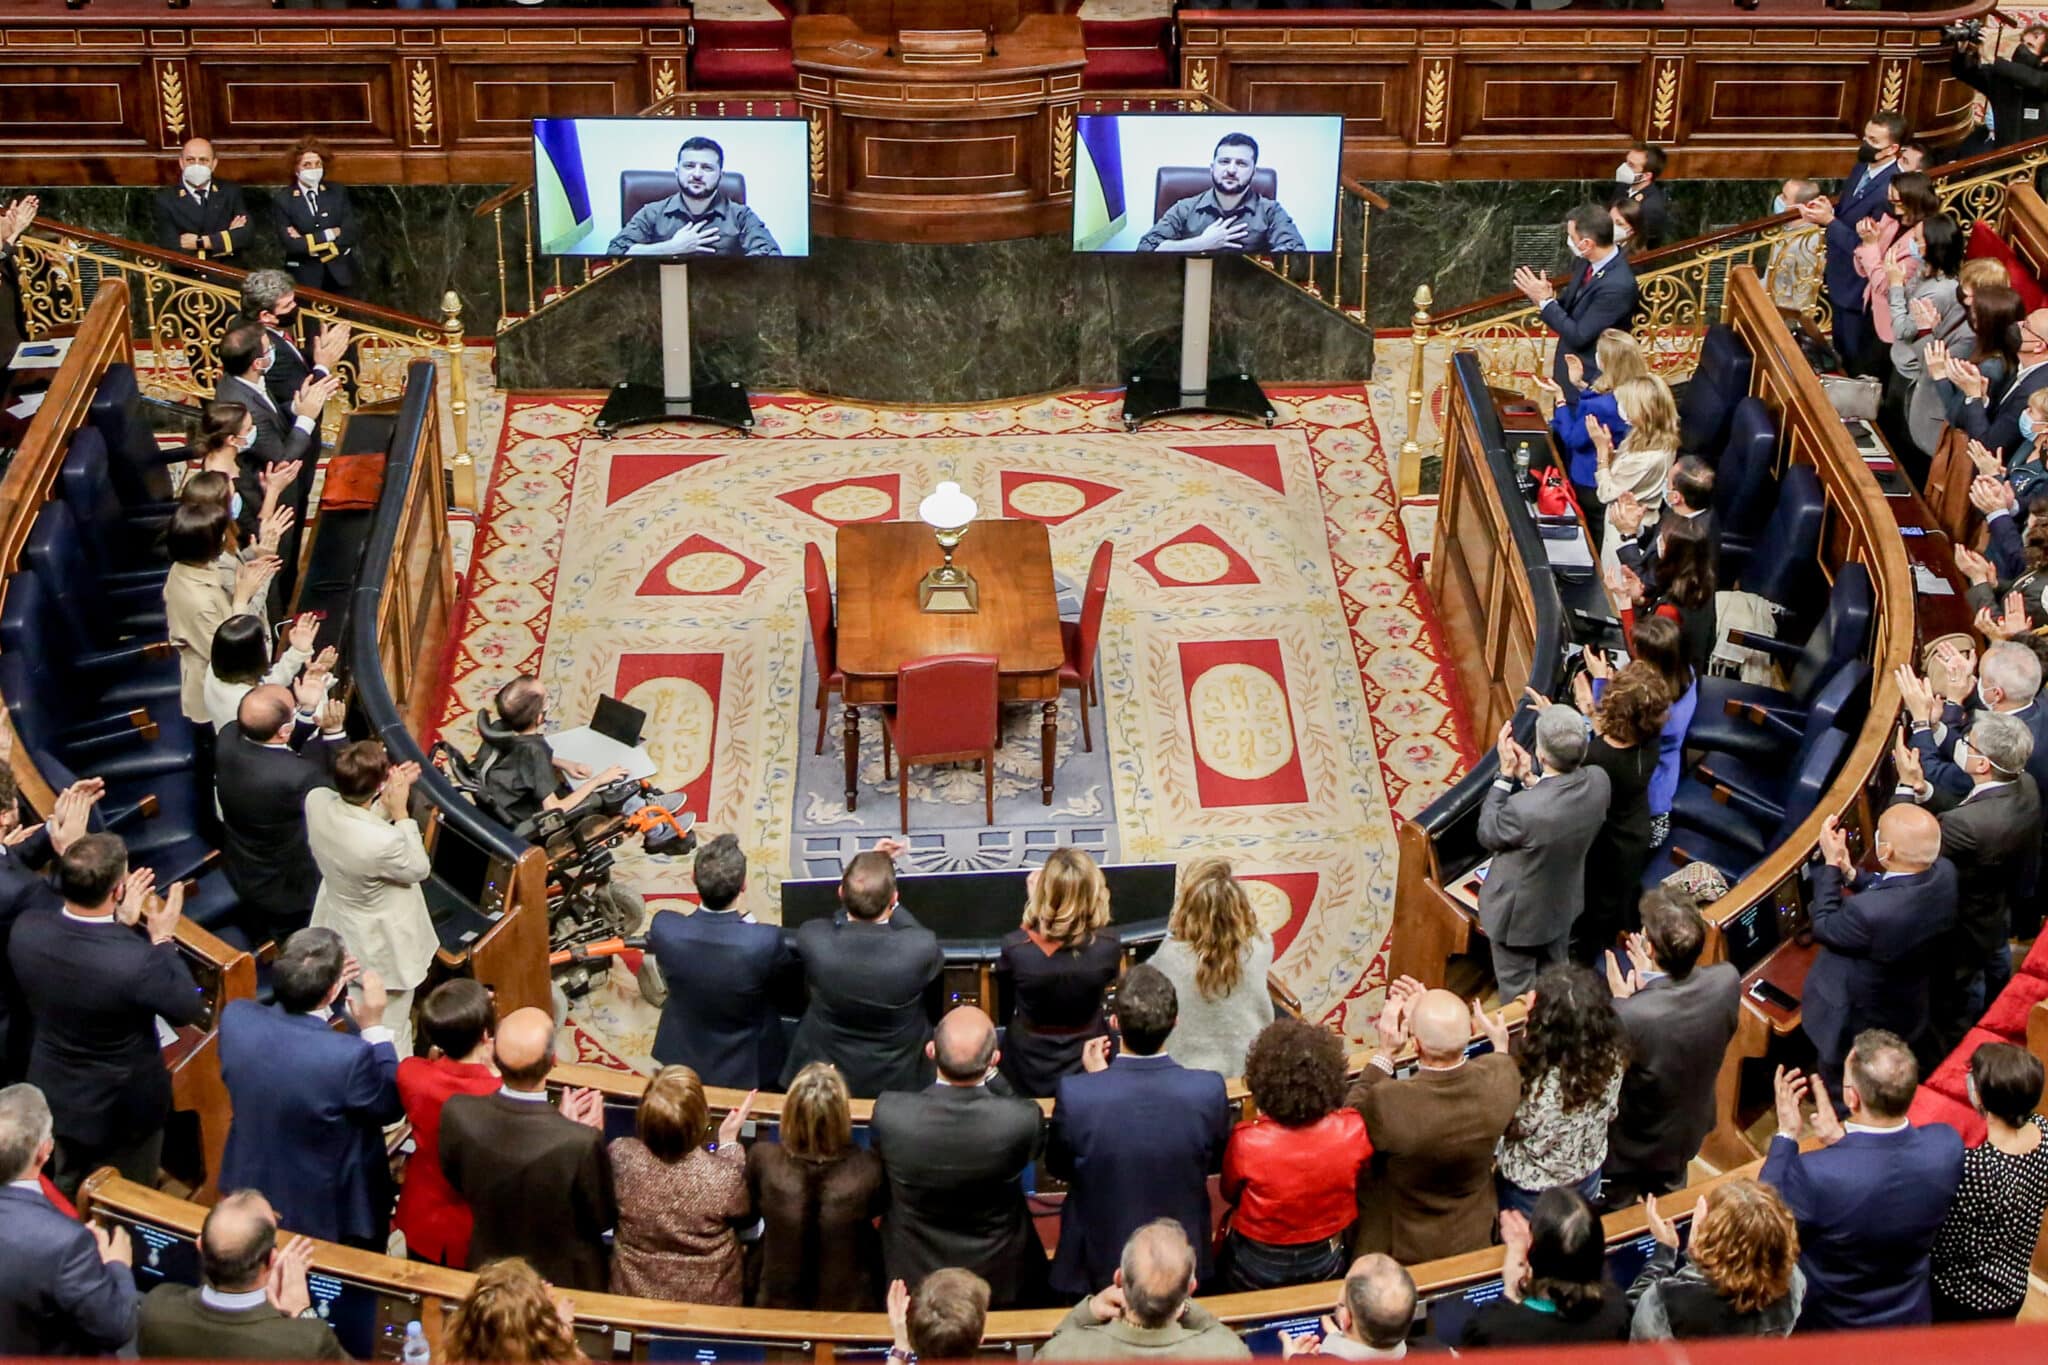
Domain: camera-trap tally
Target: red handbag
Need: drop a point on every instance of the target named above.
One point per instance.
(1554, 495)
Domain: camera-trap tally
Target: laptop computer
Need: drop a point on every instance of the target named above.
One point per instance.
(617, 721)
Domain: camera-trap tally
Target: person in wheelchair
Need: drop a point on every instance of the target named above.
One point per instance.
(521, 775)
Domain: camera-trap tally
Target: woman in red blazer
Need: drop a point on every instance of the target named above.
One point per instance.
(458, 1019)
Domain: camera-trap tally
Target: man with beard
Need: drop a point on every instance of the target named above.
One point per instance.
(1228, 216)
(698, 219)
(2017, 88)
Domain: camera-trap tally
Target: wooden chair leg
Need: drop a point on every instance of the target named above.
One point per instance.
(821, 720)
(903, 800)
(988, 784)
(886, 753)
(1087, 740)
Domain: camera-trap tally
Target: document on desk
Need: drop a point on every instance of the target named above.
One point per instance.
(1570, 553)
(29, 405)
(598, 752)
(40, 355)
(1928, 583)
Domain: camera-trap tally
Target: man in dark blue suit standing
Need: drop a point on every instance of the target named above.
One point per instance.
(1870, 1201)
(720, 968)
(1136, 1137)
(311, 1099)
(1601, 292)
(24, 854)
(1863, 196)
(1878, 941)
(65, 1289)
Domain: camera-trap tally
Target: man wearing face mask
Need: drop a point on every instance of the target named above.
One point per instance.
(1993, 836)
(1875, 933)
(1601, 293)
(1863, 196)
(2008, 683)
(698, 219)
(282, 434)
(201, 216)
(1640, 177)
(270, 298)
(2016, 88)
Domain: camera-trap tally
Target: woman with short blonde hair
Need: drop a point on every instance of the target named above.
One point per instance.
(1217, 958)
(1056, 970)
(509, 1318)
(1740, 1277)
(1575, 402)
(675, 1237)
(818, 1196)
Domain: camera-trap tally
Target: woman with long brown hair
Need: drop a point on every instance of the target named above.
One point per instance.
(509, 1317)
(818, 1195)
(677, 1201)
(1627, 720)
(1058, 965)
(1217, 959)
(1573, 1054)
(1740, 1278)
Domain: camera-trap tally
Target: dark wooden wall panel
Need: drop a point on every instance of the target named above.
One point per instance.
(1522, 97)
(103, 101)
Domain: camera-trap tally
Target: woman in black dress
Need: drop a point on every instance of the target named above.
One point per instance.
(1627, 721)
(1982, 1252)
(1059, 964)
(1553, 1280)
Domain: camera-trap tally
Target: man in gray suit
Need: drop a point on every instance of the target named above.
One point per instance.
(1538, 820)
(1679, 1019)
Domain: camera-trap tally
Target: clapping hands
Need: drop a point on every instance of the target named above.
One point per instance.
(1533, 286)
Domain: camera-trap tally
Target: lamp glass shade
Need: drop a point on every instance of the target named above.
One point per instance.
(947, 508)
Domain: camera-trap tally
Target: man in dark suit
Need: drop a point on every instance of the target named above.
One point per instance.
(24, 856)
(1864, 196)
(263, 783)
(955, 1156)
(1430, 1192)
(1600, 293)
(284, 433)
(719, 966)
(253, 1304)
(1135, 1137)
(1538, 827)
(1870, 1201)
(1982, 412)
(2007, 681)
(310, 1099)
(1640, 180)
(1679, 1018)
(874, 975)
(200, 215)
(65, 1288)
(1993, 837)
(538, 1180)
(97, 975)
(1876, 960)
(1688, 496)
(270, 300)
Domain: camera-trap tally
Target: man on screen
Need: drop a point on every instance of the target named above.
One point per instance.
(697, 220)
(1228, 216)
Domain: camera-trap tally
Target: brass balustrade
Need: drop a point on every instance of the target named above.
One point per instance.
(180, 308)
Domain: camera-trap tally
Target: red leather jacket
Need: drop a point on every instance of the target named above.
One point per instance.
(1295, 1185)
(433, 1217)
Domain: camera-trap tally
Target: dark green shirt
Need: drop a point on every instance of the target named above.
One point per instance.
(1267, 226)
(740, 230)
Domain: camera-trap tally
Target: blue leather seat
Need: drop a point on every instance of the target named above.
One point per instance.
(125, 552)
(1745, 483)
(1718, 383)
(135, 460)
(1784, 567)
(116, 749)
(1732, 715)
(56, 551)
(1691, 844)
(118, 677)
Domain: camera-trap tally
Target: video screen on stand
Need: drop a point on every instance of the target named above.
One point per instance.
(1207, 184)
(673, 189)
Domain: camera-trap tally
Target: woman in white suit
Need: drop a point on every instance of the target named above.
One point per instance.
(372, 861)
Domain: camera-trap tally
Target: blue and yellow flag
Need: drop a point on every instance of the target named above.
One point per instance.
(1099, 186)
(560, 191)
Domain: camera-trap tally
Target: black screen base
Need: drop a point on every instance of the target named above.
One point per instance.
(1233, 395)
(638, 405)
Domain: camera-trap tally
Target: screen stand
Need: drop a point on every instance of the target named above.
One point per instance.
(672, 400)
(1196, 390)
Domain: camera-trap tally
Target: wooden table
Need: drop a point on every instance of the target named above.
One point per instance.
(881, 627)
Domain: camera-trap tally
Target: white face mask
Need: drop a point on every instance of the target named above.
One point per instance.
(197, 177)
(1624, 174)
(310, 178)
(1622, 232)
(235, 507)
(1778, 204)
(1571, 244)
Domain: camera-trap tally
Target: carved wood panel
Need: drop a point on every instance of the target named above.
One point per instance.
(496, 102)
(1523, 97)
(94, 102)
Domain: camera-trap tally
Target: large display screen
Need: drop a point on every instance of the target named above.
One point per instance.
(673, 189)
(1207, 184)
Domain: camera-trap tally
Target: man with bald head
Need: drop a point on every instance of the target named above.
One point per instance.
(536, 1177)
(1429, 1191)
(251, 1303)
(1879, 935)
(263, 780)
(1372, 1318)
(1146, 1312)
(201, 216)
(955, 1155)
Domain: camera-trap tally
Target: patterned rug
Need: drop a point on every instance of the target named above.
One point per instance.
(1271, 686)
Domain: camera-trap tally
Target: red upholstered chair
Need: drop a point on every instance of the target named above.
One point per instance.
(945, 712)
(743, 54)
(1127, 54)
(1080, 638)
(824, 634)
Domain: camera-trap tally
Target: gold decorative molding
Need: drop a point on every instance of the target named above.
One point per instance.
(420, 100)
(1063, 146)
(170, 93)
(1436, 101)
(1891, 87)
(1664, 100)
(817, 117)
(1200, 72)
(666, 78)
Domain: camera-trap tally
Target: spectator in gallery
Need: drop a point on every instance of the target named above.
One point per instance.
(718, 965)
(1372, 1318)
(1135, 1136)
(254, 1303)
(1986, 1243)
(201, 215)
(1639, 185)
(1060, 963)
(1739, 1278)
(818, 1195)
(1657, 646)
(678, 1202)
(511, 1316)
(316, 224)
(458, 1020)
(1894, 245)
(1574, 402)
(1627, 217)
(65, 1286)
(1639, 463)
(1146, 1313)
(197, 600)
(1863, 200)
(1573, 1055)
(298, 352)
(1537, 823)
(1291, 1174)
(1217, 958)
(942, 1320)
(1600, 292)
(1554, 1287)
(1980, 284)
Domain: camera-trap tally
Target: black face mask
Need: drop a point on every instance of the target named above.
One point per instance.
(1865, 154)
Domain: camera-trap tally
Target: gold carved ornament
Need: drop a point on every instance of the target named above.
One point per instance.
(1198, 77)
(664, 79)
(422, 84)
(1436, 99)
(818, 151)
(170, 85)
(1063, 145)
(1891, 91)
(1664, 102)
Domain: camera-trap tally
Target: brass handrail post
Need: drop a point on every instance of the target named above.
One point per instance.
(1364, 252)
(504, 298)
(1411, 448)
(1337, 265)
(456, 346)
(532, 294)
